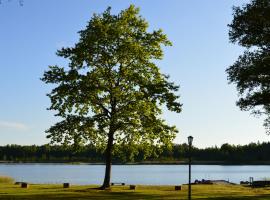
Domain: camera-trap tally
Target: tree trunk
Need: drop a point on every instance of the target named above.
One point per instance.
(107, 178)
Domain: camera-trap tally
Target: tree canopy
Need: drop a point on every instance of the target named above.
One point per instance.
(250, 28)
(112, 91)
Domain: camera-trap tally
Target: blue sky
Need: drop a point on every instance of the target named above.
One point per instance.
(31, 34)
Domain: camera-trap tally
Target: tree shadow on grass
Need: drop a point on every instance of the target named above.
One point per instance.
(121, 196)
(258, 197)
(103, 196)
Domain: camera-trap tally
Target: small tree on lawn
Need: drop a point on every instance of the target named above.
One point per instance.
(112, 91)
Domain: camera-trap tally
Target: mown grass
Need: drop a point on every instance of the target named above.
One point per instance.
(212, 192)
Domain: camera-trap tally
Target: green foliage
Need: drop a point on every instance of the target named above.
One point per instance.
(251, 72)
(6, 179)
(112, 87)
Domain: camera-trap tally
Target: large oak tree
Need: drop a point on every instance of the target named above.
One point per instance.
(250, 28)
(112, 91)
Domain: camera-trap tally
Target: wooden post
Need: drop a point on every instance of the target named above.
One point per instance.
(178, 187)
(24, 185)
(66, 185)
(132, 187)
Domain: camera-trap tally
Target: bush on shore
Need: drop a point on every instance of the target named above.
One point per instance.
(6, 179)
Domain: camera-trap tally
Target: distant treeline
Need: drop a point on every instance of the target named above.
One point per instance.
(252, 153)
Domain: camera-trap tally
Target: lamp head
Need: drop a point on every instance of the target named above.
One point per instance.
(190, 139)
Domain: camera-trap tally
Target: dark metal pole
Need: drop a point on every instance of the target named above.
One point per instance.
(189, 173)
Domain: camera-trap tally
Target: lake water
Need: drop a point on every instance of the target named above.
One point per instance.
(130, 174)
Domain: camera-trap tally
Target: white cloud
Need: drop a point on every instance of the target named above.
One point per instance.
(13, 125)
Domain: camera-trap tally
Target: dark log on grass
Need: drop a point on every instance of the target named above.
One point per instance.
(112, 184)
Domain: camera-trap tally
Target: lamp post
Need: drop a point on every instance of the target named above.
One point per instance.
(190, 139)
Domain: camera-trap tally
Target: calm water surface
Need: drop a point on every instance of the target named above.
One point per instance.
(130, 174)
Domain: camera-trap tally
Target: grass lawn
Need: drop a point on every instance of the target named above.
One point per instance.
(221, 192)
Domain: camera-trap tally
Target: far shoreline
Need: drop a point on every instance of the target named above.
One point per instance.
(141, 163)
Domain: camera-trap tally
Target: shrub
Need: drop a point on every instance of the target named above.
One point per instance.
(6, 179)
